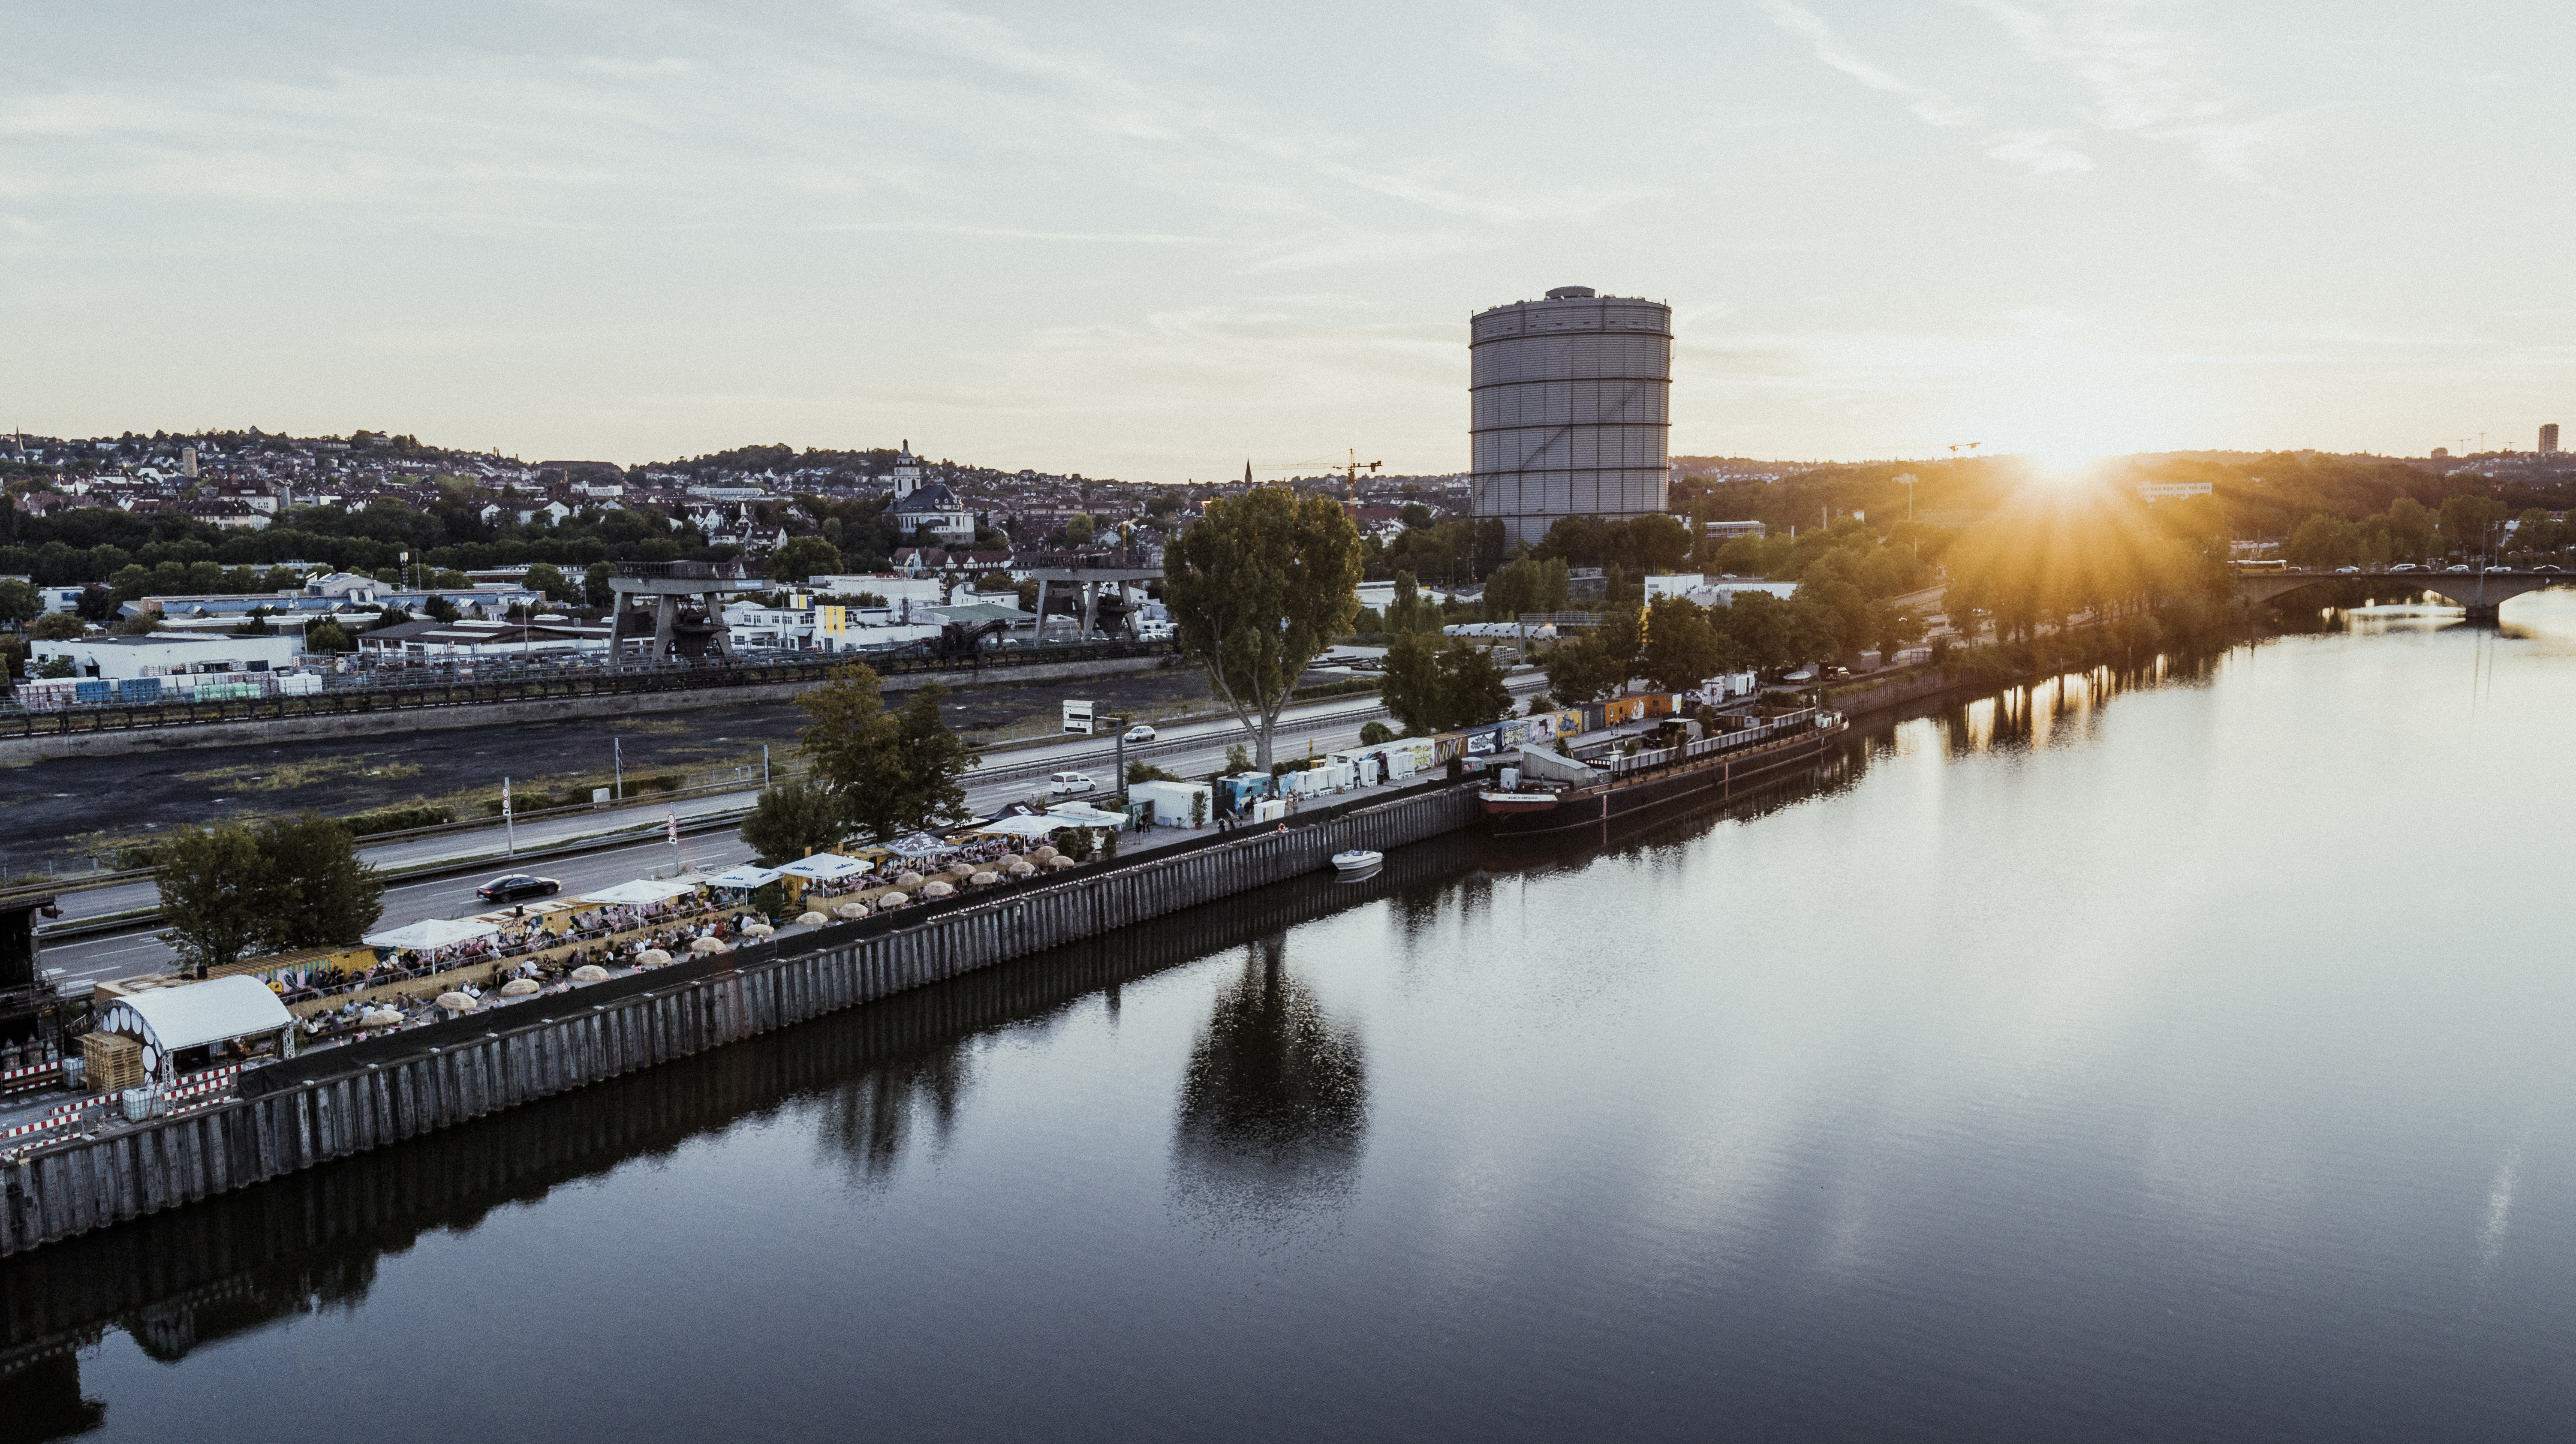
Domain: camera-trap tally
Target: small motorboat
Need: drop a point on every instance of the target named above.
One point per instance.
(1357, 859)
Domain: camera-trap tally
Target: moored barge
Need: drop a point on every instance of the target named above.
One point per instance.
(1554, 793)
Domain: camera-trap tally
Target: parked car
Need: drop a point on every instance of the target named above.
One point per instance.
(2462, 567)
(2403, 567)
(1070, 782)
(1140, 733)
(516, 886)
(2546, 567)
(2343, 571)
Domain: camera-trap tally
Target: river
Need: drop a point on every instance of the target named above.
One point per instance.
(2178, 1058)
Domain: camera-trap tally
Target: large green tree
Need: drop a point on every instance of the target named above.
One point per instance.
(791, 820)
(18, 601)
(214, 886)
(1258, 589)
(803, 557)
(317, 891)
(889, 772)
(1681, 648)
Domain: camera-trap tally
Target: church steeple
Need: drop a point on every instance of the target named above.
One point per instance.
(1247, 471)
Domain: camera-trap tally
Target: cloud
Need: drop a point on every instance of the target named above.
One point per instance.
(2039, 150)
(2143, 80)
(1929, 105)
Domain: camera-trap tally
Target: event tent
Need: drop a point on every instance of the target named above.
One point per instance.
(824, 867)
(745, 875)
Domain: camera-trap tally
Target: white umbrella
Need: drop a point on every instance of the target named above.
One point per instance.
(908, 879)
(936, 889)
(852, 910)
(640, 892)
(985, 879)
(891, 899)
(431, 933)
(518, 987)
(592, 973)
(745, 875)
(824, 867)
(706, 945)
(758, 930)
(1059, 862)
(651, 958)
(1022, 867)
(457, 1003)
(811, 920)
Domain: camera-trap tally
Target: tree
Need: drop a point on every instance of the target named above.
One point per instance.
(138, 624)
(1896, 628)
(1373, 734)
(328, 636)
(440, 609)
(594, 584)
(803, 557)
(316, 893)
(1404, 608)
(1587, 668)
(547, 581)
(791, 820)
(1080, 527)
(1411, 685)
(1528, 585)
(18, 601)
(888, 772)
(2468, 522)
(1681, 649)
(212, 883)
(1259, 588)
(56, 627)
(1471, 686)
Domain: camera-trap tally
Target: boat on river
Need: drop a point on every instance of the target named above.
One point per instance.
(1552, 793)
(1358, 859)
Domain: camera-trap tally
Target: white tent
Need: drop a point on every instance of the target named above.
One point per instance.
(636, 894)
(1028, 826)
(918, 844)
(745, 875)
(431, 933)
(824, 867)
(166, 1020)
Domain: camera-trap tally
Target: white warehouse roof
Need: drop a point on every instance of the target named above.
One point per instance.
(201, 1013)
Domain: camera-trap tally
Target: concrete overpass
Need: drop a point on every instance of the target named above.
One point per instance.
(2479, 591)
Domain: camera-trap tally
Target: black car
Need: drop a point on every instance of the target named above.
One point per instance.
(516, 886)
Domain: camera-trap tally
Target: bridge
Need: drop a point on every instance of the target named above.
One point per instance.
(2482, 592)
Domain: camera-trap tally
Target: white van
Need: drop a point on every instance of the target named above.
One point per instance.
(1066, 783)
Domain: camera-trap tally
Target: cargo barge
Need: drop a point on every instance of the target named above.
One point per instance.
(1544, 792)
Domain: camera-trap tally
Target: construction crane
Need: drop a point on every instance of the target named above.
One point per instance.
(1351, 474)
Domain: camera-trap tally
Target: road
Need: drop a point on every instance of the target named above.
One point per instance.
(1191, 750)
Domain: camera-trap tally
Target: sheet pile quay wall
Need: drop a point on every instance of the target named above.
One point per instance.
(567, 1043)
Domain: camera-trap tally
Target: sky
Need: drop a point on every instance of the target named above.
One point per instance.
(1156, 241)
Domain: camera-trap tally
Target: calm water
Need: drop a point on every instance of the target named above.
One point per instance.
(2187, 1060)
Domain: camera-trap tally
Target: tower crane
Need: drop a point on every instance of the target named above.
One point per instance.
(1351, 474)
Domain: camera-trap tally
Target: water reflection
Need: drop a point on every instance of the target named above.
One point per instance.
(1274, 1106)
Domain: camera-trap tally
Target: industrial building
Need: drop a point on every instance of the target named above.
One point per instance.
(1570, 410)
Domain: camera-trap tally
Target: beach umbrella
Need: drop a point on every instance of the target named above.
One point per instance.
(936, 889)
(1022, 867)
(852, 910)
(594, 973)
(811, 920)
(1059, 861)
(891, 899)
(651, 958)
(381, 1018)
(1044, 855)
(985, 879)
(758, 930)
(908, 879)
(518, 987)
(706, 945)
(457, 1003)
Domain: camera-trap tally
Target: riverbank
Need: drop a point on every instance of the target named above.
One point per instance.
(352, 1099)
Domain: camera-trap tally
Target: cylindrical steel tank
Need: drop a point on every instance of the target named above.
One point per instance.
(1569, 409)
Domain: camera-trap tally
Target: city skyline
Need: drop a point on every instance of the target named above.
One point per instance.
(1136, 243)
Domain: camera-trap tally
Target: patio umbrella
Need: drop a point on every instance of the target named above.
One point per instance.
(1044, 855)
(985, 879)
(1059, 861)
(591, 973)
(1022, 867)
(908, 879)
(936, 889)
(651, 958)
(811, 920)
(891, 899)
(380, 1018)
(706, 945)
(852, 910)
(457, 1003)
(758, 930)
(518, 987)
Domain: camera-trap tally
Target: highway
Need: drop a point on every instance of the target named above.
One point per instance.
(1018, 775)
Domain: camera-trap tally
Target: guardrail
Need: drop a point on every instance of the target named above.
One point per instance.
(525, 686)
